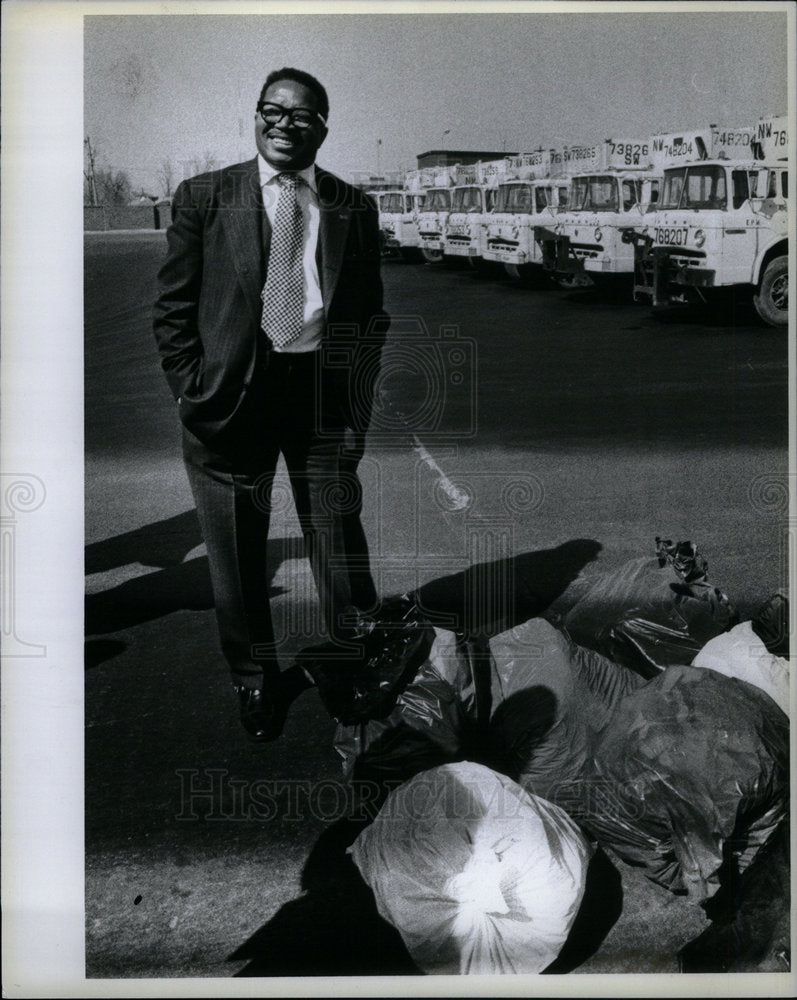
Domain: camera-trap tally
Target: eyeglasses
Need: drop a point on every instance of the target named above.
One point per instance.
(272, 114)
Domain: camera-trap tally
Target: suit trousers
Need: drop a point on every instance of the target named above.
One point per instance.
(283, 413)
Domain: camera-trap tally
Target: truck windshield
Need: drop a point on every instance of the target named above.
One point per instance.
(597, 193)
(514, 198)
(437, 200)
(393, 202)
(466, 199)
(694, 187)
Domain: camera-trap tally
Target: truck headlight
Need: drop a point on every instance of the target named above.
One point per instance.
(700, 238)
(598, 233)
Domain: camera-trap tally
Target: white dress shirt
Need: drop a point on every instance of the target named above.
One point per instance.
(307, 194)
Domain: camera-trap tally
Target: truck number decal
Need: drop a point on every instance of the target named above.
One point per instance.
(672, 237)
(730, 138)
(630, 152)
(673, 149)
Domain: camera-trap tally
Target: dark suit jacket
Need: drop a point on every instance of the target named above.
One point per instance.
(208, 310)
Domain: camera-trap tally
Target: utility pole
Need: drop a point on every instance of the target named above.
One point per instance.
(89, 174)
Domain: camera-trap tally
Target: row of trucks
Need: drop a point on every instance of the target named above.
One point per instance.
(677, 217)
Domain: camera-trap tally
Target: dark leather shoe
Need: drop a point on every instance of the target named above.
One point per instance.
(262, 714)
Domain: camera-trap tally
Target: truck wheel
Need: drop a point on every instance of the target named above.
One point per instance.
(771, 299)
(431, 256)
(571, 281)
(532, 275)
(483, 268)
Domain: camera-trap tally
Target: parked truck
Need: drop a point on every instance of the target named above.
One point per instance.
(472, 200)
(528, 196)
(437, 184)
(721, 222)
(611, 185)
(398, 223)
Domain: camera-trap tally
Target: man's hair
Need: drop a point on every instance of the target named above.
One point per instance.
(306, 80)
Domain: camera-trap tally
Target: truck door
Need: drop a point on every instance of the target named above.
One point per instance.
(745, 241)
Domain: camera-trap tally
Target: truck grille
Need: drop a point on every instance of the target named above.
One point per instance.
(583, 250)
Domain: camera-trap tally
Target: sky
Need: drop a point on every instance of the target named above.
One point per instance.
(182, 85)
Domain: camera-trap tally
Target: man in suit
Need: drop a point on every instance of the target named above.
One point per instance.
(269, 324)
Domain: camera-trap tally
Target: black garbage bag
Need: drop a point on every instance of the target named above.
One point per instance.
(697, 764)
(550, 700)
(771, 623)
(750, 928)
(434, 722)
(652, 612)
(680, 774)
(363, 680)
(683, 774)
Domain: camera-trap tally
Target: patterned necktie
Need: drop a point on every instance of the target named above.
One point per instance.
(283, 292)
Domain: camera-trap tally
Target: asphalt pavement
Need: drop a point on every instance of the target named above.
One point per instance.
(579, 427)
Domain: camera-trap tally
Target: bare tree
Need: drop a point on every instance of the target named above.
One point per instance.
(202, 164)
(114, 187)
(166, 177)
(104, 185)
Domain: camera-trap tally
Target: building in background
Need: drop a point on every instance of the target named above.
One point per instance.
(448, 157)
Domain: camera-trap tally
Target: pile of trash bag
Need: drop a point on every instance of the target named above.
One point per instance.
(674, 773)
(477, 875)
(671, 773)
(652, 612)
(676, 767)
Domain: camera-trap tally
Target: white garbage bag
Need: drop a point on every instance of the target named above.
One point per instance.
(741, 653)
(477, 875)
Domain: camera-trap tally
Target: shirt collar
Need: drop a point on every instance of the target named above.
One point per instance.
(268, 173)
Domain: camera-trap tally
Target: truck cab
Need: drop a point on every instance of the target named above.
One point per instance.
(521, 206)
(392, 205)
(471, 205)
(432, 223)
(398, 223)
(721, 222)
(587, 239)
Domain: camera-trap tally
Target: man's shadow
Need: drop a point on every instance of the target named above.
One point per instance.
(485, 599)
(162, 543)
(489, 598)
(175, 586)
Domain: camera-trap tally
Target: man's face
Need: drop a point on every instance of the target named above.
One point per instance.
(285, 145)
